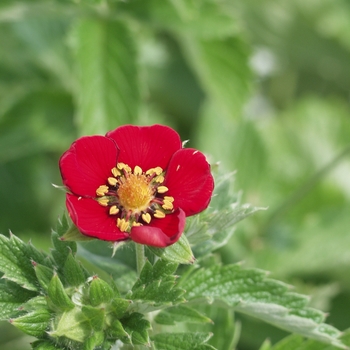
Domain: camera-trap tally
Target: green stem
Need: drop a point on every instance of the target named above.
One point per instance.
(140, 257)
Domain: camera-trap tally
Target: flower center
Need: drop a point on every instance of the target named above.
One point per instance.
(135, 197)
(134, 193)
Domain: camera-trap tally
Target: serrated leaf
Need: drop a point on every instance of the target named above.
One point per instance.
(179, 252)
(58, 297)
(94, 341)
(251, 292)
(181, 341)
(137, 327)
(16, 261)
(12, 296)
(108, 84)
(43, 345)
(119, 307)
(156, 287)
(181, 313)
(34, 323)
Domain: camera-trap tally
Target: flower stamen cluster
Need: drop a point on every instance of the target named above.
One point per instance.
(134, 196)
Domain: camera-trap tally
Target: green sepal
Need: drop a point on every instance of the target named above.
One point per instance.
(34, 323)
(179, 252)
(38, 302)
(74, 235)
(73, 271)
(100, 292)
(73, 325)
(181, 313)
(138, 328)
(94, 341)
(116, 330)
(44, 274)
(95, 316)
(62, 248)
(119, 307)
(57, 296)
(43, 345)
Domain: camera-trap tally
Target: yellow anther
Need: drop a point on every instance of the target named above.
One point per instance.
(112, 181)
(146, 217)
(102, 190)
(159, 179)
(103, 201)
(137, 170)
(168, 198)
(116, 172)
(113, 210)
(167, 205)
(158, 170)
(123, 166)
(122, 224)
(136, 224)
(159, 214)
(162, 189)
(150, 171)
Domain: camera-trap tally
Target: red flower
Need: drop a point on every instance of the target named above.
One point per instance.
(135, 183)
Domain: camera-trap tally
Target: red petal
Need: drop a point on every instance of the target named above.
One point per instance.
(189, 181)
(160, 232)
(88, 163)
(92, 219)
(146, 146)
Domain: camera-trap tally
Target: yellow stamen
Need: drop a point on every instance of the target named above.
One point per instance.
(162, 189)
(136, 224)
(150, 171)
(112, 181)
(137, 170)
(102, 190)
(113, 210)
(103, 201)
(146, 217)
(159, 178)
(116, 172)
(122, 224)
(169, 199)
(158, 170)
(159, 214)
(167, 205)
(123, 166)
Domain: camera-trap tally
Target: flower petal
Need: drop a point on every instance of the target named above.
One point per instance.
(146, 146)
(87, 164)
(160, 232)
(189, 181)
(93, 220)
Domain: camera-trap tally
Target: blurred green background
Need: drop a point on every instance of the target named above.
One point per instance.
(260, 86)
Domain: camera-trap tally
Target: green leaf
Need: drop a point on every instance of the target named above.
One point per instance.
(16, 261)
(179, 252)
(74, 325)
(34, 323)
(117, 330)
(181, 341)
(73, 272)
(62, 249)
(108, 85)
(119, 307)
(249, 291)
(94, 341)
(99, 292)
(156, 287)
(12, 296)
(222, 68)
(57, 295)
(44, 274)
(137, 327)
(180, 313)
(43, 345)
(95, 316)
